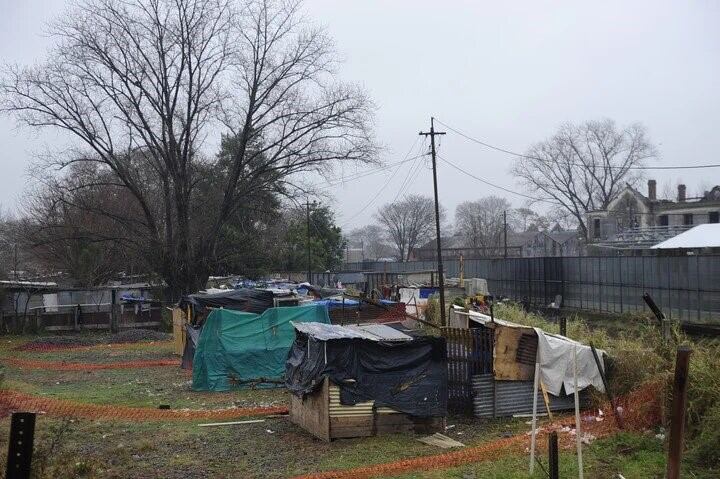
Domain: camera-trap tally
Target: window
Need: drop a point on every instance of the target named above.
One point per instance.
(713, 217)
(596, 228)
(688, 219)
(664, 220)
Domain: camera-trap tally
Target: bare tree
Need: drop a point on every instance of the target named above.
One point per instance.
(584, 167)
(480, 223)
(408, 223)
(140, 84)
(371, 238)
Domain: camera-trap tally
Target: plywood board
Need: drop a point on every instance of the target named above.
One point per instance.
(505, 355)
(311, 412)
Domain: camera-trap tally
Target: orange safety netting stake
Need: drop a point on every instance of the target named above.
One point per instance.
(67, 366)
(14, 401)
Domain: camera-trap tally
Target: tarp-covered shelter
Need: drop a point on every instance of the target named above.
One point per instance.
(246, 299)
(362, 380)
(238, 348)
(492, 366)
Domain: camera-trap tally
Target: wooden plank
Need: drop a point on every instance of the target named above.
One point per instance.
(311, 412)
(231, 423)
(360, 426)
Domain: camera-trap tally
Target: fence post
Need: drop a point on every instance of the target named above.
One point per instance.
(113, 311)
(553, 456)
(20, 446)
(563, 326)
(677, 422)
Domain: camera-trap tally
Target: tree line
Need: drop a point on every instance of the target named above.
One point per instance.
(138, 88)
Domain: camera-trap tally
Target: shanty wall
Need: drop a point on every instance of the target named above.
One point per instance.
(493, 398)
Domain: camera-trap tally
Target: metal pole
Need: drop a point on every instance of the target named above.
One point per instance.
(553, 456)
(677, 422)
(309, 265)
(505, 233)
(20, 446)
(441, 280)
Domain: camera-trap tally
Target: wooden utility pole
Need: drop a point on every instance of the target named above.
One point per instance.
(677, 422)
(441, 280)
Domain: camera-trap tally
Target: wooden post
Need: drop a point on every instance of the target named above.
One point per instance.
(20, 446)
(677, 421)
(563, 326)
(553, 457)
(534, 417)
(578, 432)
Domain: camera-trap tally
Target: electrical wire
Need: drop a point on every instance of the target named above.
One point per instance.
(482, 180)
(546, 160)
(385, 185)
(410, 174)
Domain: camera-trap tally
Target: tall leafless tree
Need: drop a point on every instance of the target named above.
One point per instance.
(408, 223)
(584, 167)
(480, 223)
(371, 238)
(140, 84)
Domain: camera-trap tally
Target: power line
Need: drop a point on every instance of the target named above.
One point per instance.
(410, 176)
(363, 174)
(546, 160)
(382, 188)
(482, 180)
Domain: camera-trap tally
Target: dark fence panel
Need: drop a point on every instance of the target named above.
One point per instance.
(469, 352)
(685, 287)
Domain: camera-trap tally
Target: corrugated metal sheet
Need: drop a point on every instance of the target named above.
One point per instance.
(360, 409)
(339, 410)
(515, 397)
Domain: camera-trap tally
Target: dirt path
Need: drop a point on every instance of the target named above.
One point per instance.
(68, 366)
(16, 401)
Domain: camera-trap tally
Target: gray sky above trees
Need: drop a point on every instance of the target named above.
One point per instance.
(506, 74)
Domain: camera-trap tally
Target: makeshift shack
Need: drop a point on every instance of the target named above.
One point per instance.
(492, 367)
(190, 312)
(355, 381)
(237, 349)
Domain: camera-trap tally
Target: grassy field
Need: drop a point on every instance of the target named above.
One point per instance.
(108, 448)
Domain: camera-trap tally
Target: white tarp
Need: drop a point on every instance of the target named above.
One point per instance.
(555, 355)
(700, 236)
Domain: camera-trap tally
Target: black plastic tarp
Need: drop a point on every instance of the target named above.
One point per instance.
(246, 299)
(410, 376)
(192, 335)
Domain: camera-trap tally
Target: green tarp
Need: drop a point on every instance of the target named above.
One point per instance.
(237, 347)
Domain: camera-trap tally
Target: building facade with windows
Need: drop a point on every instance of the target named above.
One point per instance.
(646, 217)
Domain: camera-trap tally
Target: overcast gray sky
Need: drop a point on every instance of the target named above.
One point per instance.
(508, 74)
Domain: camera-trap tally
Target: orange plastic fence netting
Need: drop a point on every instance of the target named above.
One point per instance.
(17, 401)
(68, 366)
(641, 410)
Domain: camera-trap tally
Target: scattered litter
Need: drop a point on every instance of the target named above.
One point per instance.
(440, 440)
(587, 438)
(269, 431)
(660, 436)
(231, 423)
(449, 426)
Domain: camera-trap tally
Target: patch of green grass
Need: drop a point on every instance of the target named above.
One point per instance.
(635, 456)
